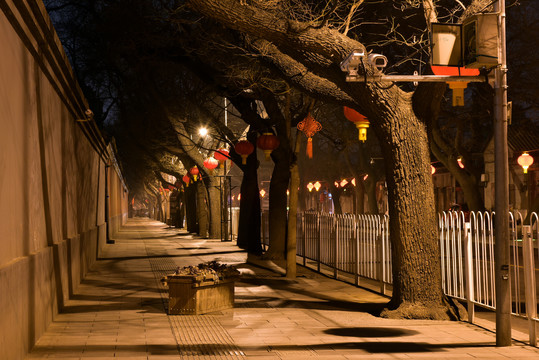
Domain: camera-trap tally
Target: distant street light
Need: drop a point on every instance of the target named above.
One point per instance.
(202, 131)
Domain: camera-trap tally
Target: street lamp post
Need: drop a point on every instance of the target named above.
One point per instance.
(501, 187)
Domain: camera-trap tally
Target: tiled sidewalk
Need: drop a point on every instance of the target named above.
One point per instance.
(119, 312)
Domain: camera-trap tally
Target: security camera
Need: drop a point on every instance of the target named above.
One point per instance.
(377, 60)
(351, 63)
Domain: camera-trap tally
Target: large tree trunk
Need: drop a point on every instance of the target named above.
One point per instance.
(336, 197)
(359, 198)
(468, 181)
(278, 204)
(191, 208)
(291, 244)
(417, 291)
(249, 222)
(212, 187)
(202, 209)
(372, 203)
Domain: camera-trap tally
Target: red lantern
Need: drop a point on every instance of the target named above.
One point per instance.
(194, 171)
(525, 160)
(210, 164)
(221, 155)
(359, 120)
(186, 179)
(267, 142)
(310, 127)
(244, 148)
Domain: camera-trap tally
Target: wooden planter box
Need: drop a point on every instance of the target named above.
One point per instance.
(194, 295)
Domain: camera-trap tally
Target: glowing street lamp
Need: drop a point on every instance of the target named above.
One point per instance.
(310, 186)
(202, 131)
(344, 182)
(262, 193)
(525, 160)
(317, 185)
(459, 161)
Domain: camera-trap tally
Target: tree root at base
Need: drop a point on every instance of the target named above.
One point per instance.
(448, 309)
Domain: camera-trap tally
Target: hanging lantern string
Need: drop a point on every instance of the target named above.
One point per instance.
(309, 126)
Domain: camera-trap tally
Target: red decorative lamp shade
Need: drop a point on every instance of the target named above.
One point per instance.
(210, 164)
(221, 155)
(186, 179)
(525, 160)
(359, 120)
(310, 127)
(244, 148)
(194, 171)
(457, 86)
(267, 142)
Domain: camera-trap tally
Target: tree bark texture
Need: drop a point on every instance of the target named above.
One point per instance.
(278, 204)
(249, 222)
(415, 248)
(212, 187)
(291, 243)
(191, 208)
(202, 209)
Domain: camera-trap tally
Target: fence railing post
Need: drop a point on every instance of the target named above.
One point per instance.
(304, 238)
(356, 242)
(319, 242)
(529, 282)
(336, 252)
(468, 268)
(380, 256)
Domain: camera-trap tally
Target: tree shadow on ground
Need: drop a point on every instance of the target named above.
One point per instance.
(374, 332)
(209, 349)
(146, 305)
(157, 256)
(324, 304)
(320, 300)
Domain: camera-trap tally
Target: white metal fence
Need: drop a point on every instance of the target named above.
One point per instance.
(355, 247)
(467, 257)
